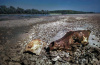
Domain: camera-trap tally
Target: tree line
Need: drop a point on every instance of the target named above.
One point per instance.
(69, 12)
(12, 10)
(18, 10)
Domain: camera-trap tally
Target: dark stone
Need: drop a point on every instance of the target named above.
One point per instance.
(53, 62)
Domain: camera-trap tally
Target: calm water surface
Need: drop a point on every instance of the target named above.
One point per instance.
(20, 16)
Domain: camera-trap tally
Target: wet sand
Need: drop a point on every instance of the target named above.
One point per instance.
(15, 34)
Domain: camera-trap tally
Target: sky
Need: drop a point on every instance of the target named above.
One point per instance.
(78, 5)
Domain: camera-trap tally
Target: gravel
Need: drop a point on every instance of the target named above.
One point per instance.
(15, 36)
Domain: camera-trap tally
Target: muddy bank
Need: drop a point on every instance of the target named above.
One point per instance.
(15, 34)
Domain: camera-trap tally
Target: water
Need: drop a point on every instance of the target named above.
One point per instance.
(21, 16)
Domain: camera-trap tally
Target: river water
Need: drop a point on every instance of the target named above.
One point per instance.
(21, 16)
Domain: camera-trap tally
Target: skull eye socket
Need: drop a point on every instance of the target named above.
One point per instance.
(52, 43)
(76, 40)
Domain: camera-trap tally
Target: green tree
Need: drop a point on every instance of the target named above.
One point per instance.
(3, 9)
(20, 10)
(28, 11)
(35, 11)
(11, 10)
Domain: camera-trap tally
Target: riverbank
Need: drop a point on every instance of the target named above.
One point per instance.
(15, 34)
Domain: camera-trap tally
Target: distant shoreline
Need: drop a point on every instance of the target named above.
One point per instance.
(4, 17)
(13, 10)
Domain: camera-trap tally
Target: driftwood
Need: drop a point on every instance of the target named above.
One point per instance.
(69, 40)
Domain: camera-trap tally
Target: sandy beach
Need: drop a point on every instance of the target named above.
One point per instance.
(16, 34)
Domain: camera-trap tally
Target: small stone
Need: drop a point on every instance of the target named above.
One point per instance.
(92, 38)
(67, 54)
(93, 43)
(25, 62)
(97, 45)
(3, 63)
(5, 58)
(32, 63)
(1, 48)
(56, 58)
(11, 63)
(17, 64)
(16, 58)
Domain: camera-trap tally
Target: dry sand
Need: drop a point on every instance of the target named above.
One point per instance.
(15, 34)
